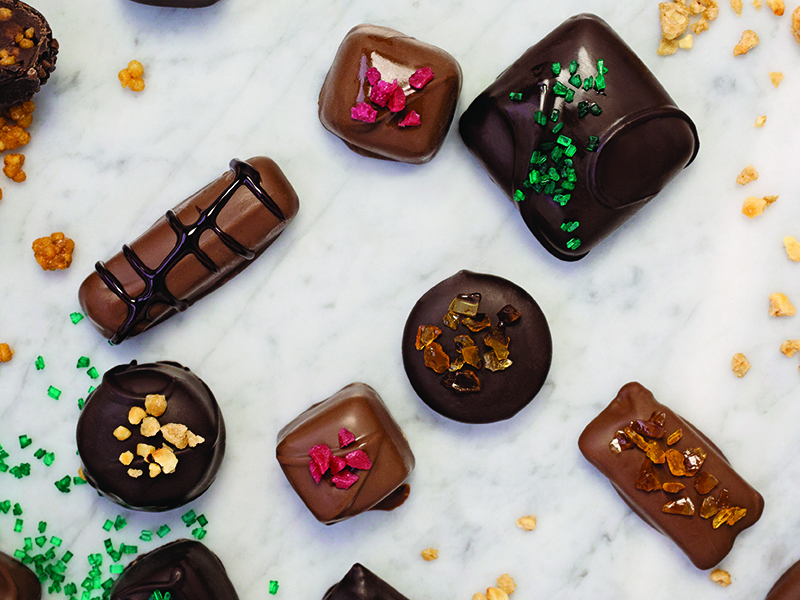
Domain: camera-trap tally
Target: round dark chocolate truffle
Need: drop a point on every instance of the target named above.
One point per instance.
(17, 582)
(151, 436)
(503, 392)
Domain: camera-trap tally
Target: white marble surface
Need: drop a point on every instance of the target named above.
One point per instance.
(666, 301)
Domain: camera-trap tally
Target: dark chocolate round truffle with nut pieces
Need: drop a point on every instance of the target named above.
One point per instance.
(27, 52)
(477, 348)
(151, 436)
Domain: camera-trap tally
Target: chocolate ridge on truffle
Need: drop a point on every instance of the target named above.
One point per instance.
(362, 584)
(17, 582)
(704, 545)
(629, 137)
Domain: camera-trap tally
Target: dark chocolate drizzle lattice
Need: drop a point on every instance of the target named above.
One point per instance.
(188, 242)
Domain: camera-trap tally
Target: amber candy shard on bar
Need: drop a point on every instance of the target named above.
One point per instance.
(620, 442)
(498, 341)
(508, 314)
(648, 428)
(494, 364)
(426, 334)
(672, 487)
(451, 320)
(656, 453)
(682, 506)
(693, 459)
(705, 482)
(675, 462)
(462, 381)
(477, 323)
(647, 480)
(466, 304)
(634, 437)
(435, 357)
(675, 437)
(709, 507)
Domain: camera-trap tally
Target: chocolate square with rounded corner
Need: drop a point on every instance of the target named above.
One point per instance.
(362, 584)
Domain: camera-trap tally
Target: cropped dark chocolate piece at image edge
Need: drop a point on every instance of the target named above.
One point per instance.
(178, 3)
(788, 586)
(189, 404)
(641, 482)
(580, 134)
(369, 61)
(198, 246)
(349, 488)
(17, 582)
(180, 570)
(502, 393)
(362, 584)
(28, 39)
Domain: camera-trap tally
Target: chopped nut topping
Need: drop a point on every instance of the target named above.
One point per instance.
(478, 596)
(150, 426)
(122, 433)
(686, 43)
(757, 4)
(792, 248)
(667, 47)
(720, 577)
(747, 175)
(776, 77)
(135, 415)
(131, 76)
(770, 199)
(126, 458)
(796, 24)
(779, 306)
(760, 121)
(26, 44)
(699, 26)
(695, 7)
(789, 347)
(674, 19)
(5, 14)
(740, 365)
(54, 252)
(711, 10)
(506, 583)
(154, 469)
(430, 554)
(165, 457)
(494, 593)
(753, 206)
(135, 473)
(145, 450)
(155, 404)
(5, 352)
(194, 439)
(748, 42)
(175, 434)
(777, 7)
(13, 166)
(527, 523)
(736, 5)
(22, 113)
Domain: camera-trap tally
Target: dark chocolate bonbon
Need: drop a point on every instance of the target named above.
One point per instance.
(189, 403)
(190, 252)
(362, 584)
(704, 545)
(17, 582)
(580, 134)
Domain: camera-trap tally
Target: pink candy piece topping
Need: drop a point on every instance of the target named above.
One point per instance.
(345, 438)
(421, 77)
(358, 459)
(382, 91)
(412, 119)
(373, 75)
(337, 464)
(363, 112)
(344, 480)
(397, 101)
(315, 472)
(321, 455)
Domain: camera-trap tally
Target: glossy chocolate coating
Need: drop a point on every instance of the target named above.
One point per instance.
(189, 402)
(362, 584)
(20, 81)
(190, 252)
(503, 393)
(178, 3)
(185, 569)
(396, 56)
(358, 408)
(644, 139)
(788, 586)
(704, 546)
(17, 582)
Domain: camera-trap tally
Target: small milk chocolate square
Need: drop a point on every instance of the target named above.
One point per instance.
(692, 516)
(368, 455)
(580, 134)
(390, 96)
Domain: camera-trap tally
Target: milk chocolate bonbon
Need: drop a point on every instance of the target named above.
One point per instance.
(180, 570)
(190, 252)
(370, 430)
(788, 586)
(706, 541)
(17, 582)
(362, 584)
(151, 482)
(580, 134)
(371, 59)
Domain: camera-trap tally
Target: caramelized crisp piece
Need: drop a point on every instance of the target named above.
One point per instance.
(492, 363)
(466, 304)
(53, 252)
(722, 516)
(498, 341)
(672, 487)
(508, 314)
(463, 341)
(462, 381)
(648, 428)
(675, 437)
(426, 334)
(693, 460)
(642, 443)
(436, 358)
(724, 499)
(472, 356)
(659, 418)
(451, 320)
(620, 442)
(647, 480)
(457, 364)
(477, 323)
(675, 463)
(682, 506)
(739, 513)
(656, 453)
(705, 482)
(709, 507)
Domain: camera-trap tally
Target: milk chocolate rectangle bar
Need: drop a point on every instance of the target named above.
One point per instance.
(634, 443)
(191, 251)
(788, 586)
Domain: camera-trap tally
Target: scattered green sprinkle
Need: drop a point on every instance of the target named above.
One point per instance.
(42, 526)
(39, 364)
(201, 520)
(273, 587)
(199, 533)
(596, 110)
(108, 525)
(119, 523)
(573, 67)
(569, 96)
(515, 96)
(54, 392)
(146, 535)
(588, 83)
(91, 389)
(556, 68)
(41, 541)
(189, 518)
(18, 525)
(24, 441)
(63, 484)
(83, 362)
(554, 115)
(559, 89)
(56, 541)
(40, 453)
(81, 402)
(163, 530)
(573, 243)
(49, 458)
(75, 317)
(93, 373)
(116, 569)
(17, 510)
(519, 196)
(558, 127)
(78, 480)
(540, 118)
(5, 506)
(569, 226)
(576, 81)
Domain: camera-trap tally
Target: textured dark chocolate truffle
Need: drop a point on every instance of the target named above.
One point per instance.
(396, 57)
(362, 584)
(359, 409)
(198, 246)
(31, 70)
(609, 136)
(17, 582)
(189, 403)
(503, 393)
(184, 569)
(704, 546)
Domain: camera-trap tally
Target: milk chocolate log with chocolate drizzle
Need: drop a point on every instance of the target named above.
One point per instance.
(17, 582)
(195, 248)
